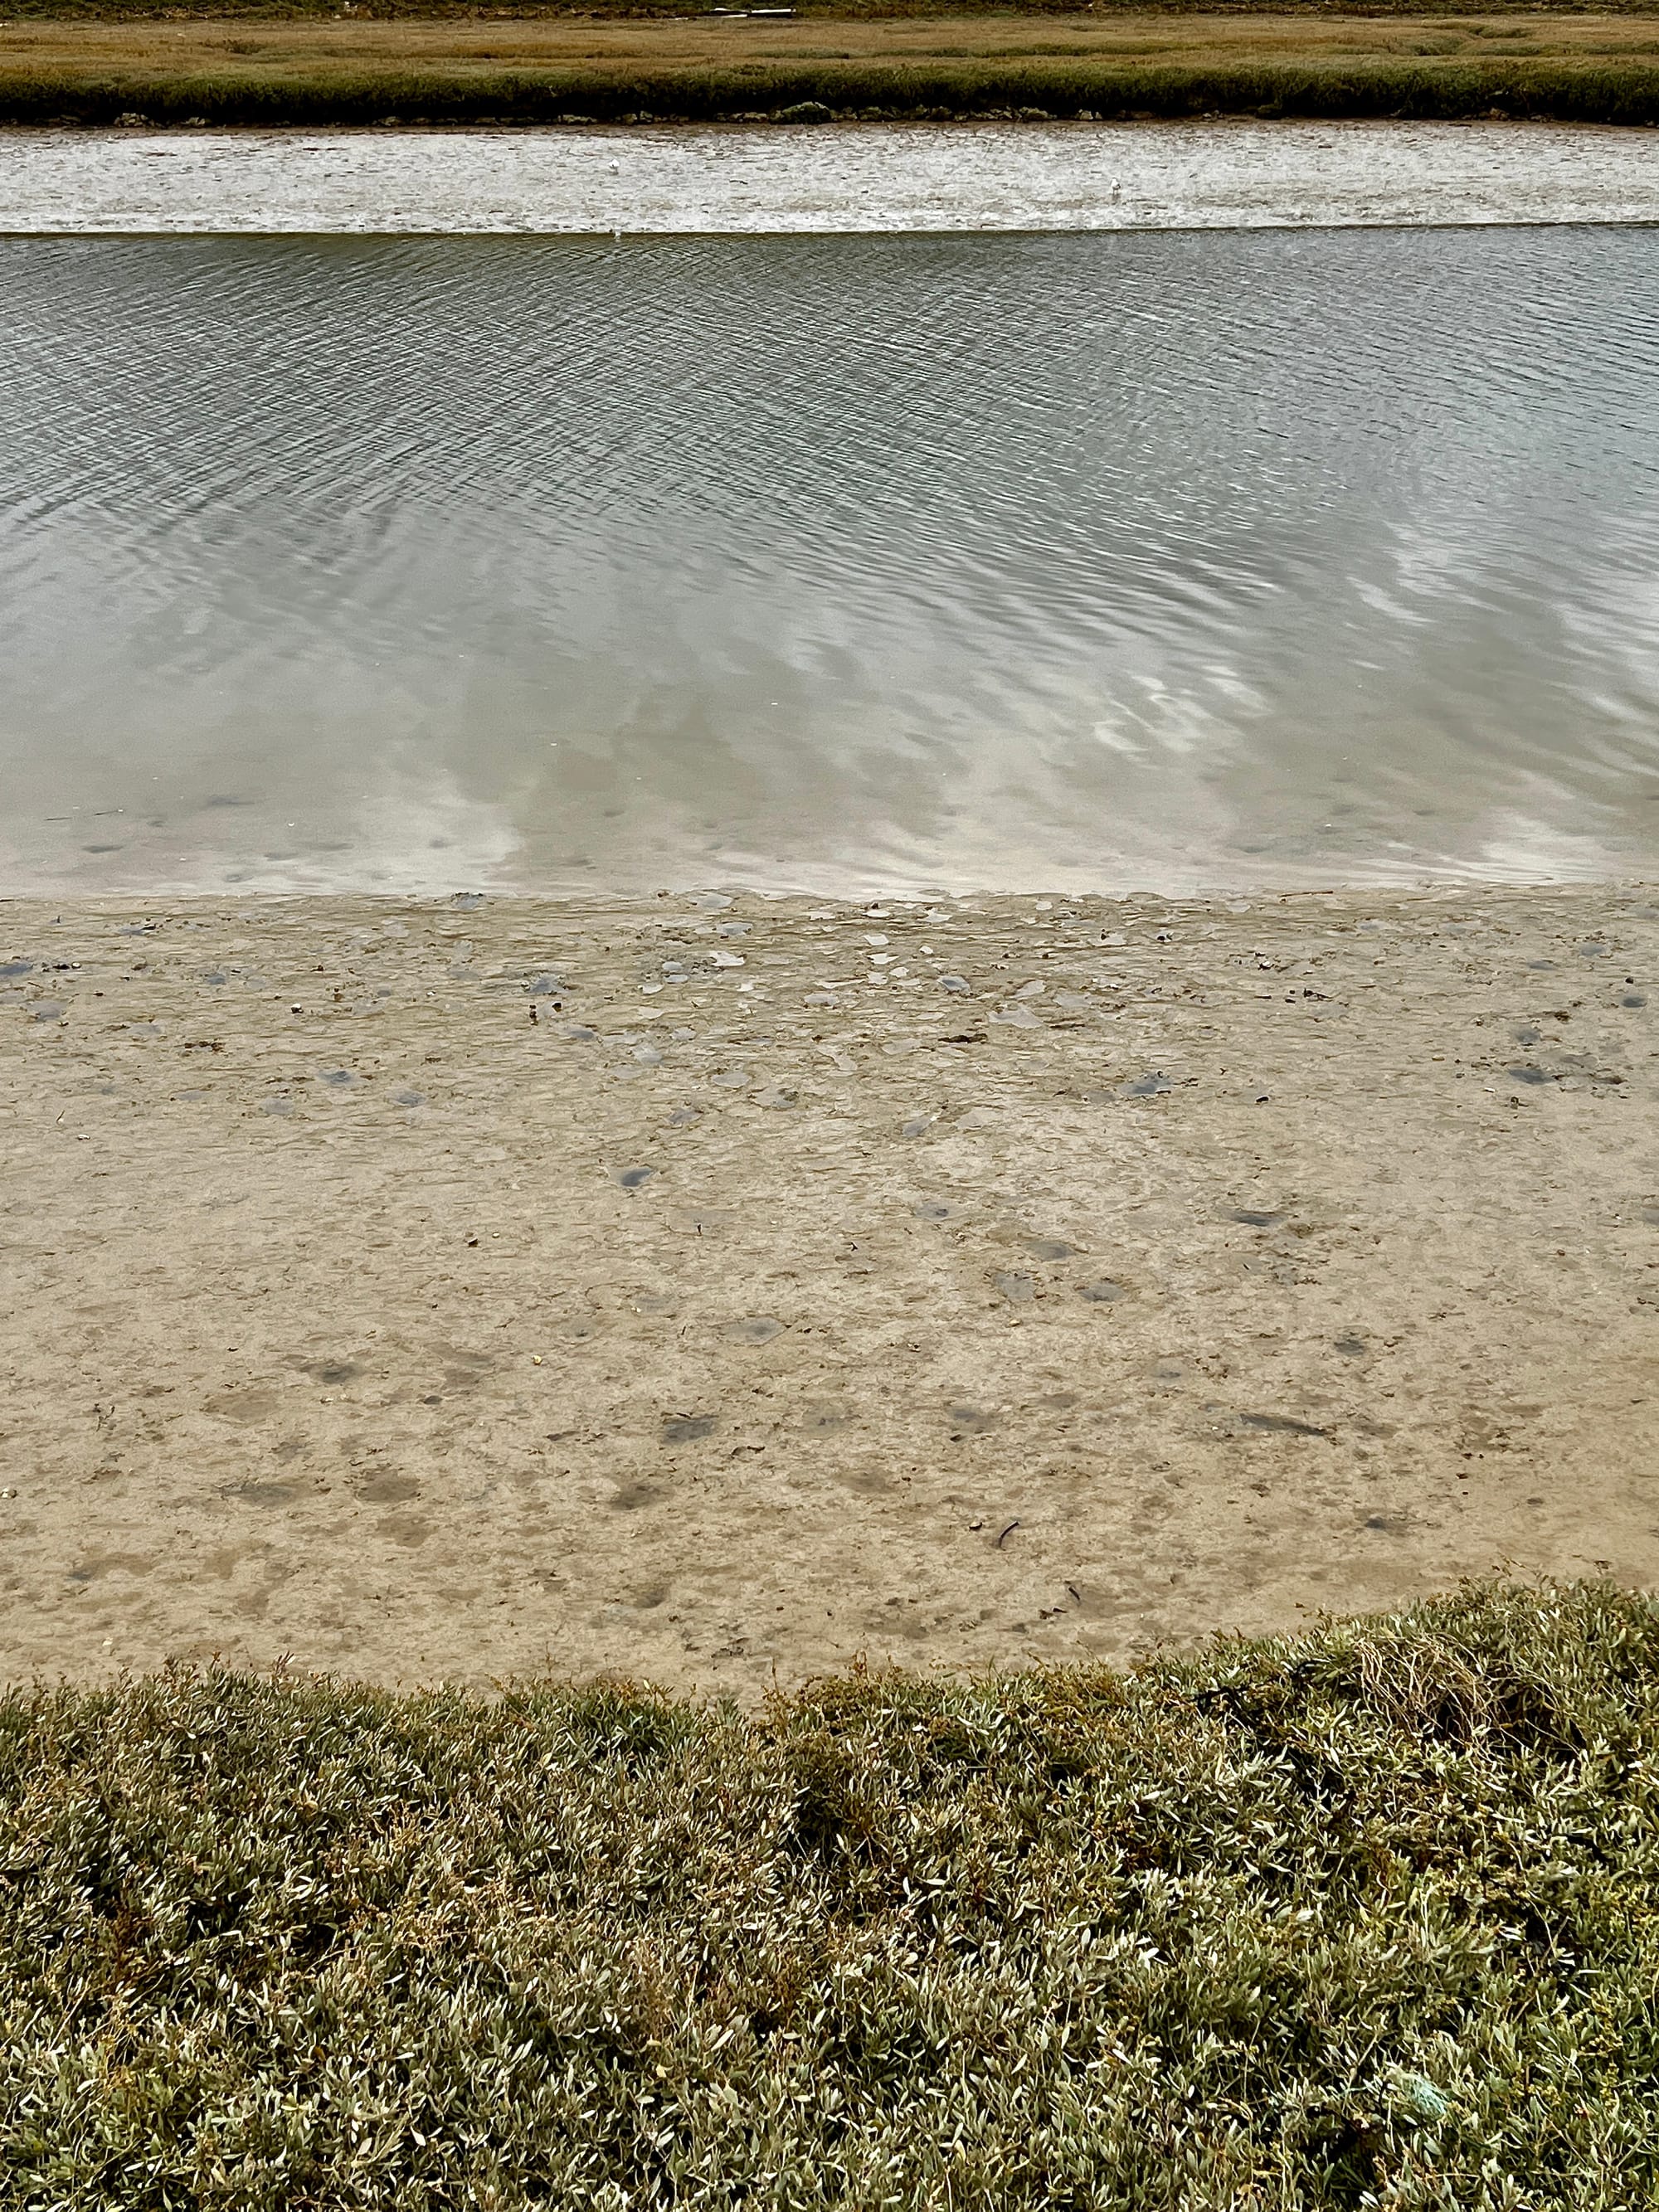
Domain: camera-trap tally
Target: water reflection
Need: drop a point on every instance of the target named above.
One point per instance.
(1093, 561)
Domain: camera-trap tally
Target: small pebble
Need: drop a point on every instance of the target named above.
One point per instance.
(970, 1419)
(687, 1428)
(754, 1329)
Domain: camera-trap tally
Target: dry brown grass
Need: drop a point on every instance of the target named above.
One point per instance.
(316, 49)
(1014, 16)
(1593, 69)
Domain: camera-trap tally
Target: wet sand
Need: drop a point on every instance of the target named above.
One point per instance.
(861, 178)
(446, 1290)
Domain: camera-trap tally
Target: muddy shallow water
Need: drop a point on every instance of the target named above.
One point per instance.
(834, 564)
(707, 1286)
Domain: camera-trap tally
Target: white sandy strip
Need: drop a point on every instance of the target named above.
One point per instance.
(862, 178)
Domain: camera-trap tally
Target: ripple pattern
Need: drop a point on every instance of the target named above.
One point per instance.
(829, 562)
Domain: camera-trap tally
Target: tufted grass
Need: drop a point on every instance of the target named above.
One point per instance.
(1369, 1917)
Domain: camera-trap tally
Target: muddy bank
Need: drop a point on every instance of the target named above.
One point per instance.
(872, 178)
(701, 1288)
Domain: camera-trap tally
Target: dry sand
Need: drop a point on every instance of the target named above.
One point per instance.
(874, 177)
(373, 1298)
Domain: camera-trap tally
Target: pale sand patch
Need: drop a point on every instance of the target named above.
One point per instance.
(859, 178)
(410, 1289)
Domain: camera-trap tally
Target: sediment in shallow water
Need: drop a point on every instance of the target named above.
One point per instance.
(711, 1288)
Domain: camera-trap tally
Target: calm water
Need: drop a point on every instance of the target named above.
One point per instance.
(1085, 561)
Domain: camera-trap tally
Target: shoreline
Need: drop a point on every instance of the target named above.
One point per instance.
(863, 179)
(445, 1291)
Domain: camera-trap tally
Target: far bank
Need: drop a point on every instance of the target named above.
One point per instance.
(252, 70)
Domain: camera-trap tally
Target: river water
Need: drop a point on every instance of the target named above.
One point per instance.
(860, 563)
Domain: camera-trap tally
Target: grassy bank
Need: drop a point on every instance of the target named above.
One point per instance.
(1371, 1916)
(1582, 69)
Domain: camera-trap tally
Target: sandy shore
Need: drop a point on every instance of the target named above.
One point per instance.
(447, 1290)
(863, 178)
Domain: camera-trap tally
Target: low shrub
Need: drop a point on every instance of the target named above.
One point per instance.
(1367, 1917)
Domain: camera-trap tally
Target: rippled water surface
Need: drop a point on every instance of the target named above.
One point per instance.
(1079, 561)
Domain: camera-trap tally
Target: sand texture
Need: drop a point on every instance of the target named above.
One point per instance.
(845, 179)
(700, 1289)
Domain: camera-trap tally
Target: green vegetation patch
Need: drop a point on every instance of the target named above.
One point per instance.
(1592, 91)
(1366, 1918)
